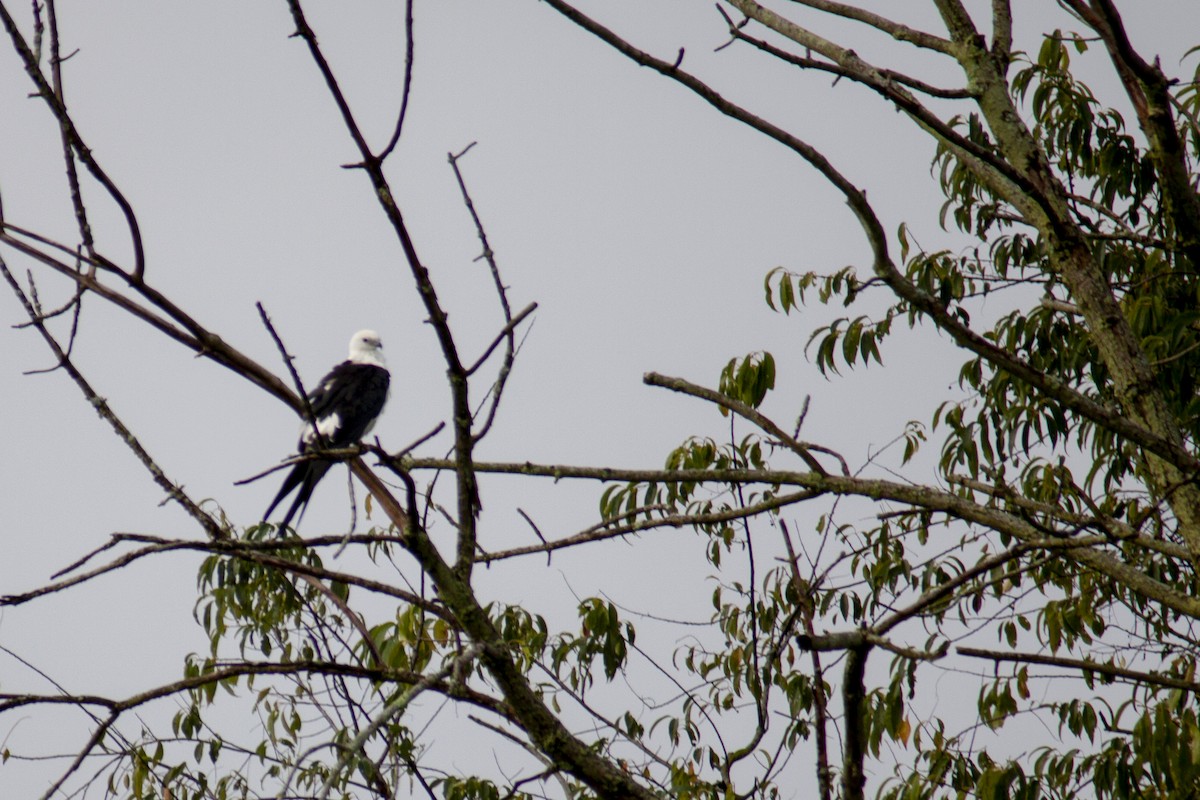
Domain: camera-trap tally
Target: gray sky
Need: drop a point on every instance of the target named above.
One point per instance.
(640, 220)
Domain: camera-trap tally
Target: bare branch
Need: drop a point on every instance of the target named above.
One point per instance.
(807, 62)
(896, 30)
(178, 325)
(507, 334)
(81, 216)
(1109, 670)
(46, 91)
(289, 361)
(224, 672)
(1001, 177)
(537, 532)
(409, 60)
(173, 490)
(741, 409)
(612, 529)
(257, 552)
(402, 452)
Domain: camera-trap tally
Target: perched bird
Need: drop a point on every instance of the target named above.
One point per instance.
(345, 406)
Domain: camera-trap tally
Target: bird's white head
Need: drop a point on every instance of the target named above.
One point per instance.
(366, 348)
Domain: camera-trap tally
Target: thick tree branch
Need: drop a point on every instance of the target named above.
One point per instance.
(854, 746)
(1169, 463)
(529, 708)
(1002, 35)
(1149, 91)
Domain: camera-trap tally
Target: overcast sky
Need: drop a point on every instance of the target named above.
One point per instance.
(640, 220)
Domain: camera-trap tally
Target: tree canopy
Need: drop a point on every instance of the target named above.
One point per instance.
(1004, 609)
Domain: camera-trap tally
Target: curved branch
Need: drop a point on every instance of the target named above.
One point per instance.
(805, 62)
(748, 413)
(897, 31)
(221, 674)
(999, 175)
(409, 60)
(46, 91)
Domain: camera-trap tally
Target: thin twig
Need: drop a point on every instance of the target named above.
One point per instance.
(409, 60)
(506, 333)
(402, 452)
(752, 415)
(81, 215)
(309, 416)
(538, 533)
(256, 552)
(610, 529)
(313, 454)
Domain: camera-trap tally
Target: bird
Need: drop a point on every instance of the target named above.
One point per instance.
(345, 406)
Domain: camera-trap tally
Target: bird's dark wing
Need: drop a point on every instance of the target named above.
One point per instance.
(354, 392)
